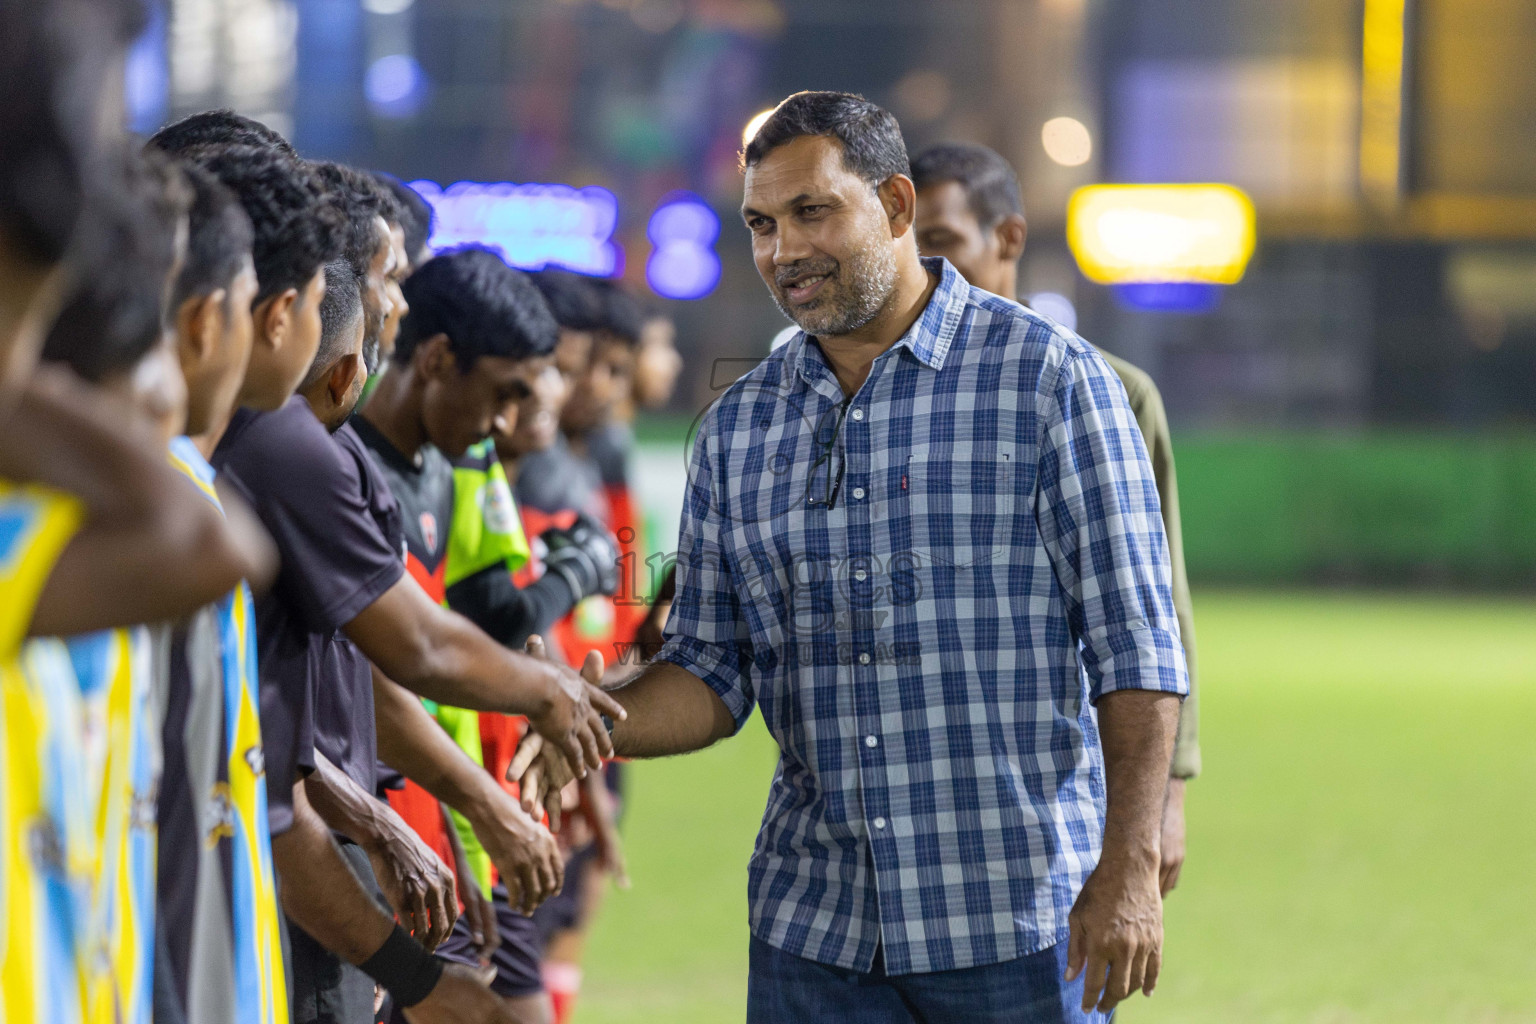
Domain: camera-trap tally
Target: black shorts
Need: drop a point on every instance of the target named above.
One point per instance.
(517, 961)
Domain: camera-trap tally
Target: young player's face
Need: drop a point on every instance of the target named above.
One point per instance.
(155, 388)
(535, 419)
(398, 307)
(605, 383)
(215, 374)
(303, 340)
(947, 226)
(572, 355)
(376, 292)
(462, 408)
(657, 363)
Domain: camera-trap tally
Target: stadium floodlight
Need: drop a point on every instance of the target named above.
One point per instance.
(1137, 234)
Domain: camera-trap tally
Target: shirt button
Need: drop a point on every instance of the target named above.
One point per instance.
(858, 492)
(860, 574)
(879, 823)
(871, 741)
(858, 414)
(864, 658)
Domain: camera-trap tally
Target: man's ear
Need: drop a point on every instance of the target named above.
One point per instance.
(199, 329)
(1011, 231)
(435, 357)
(339, 380)
(899, 197)
(274, 317)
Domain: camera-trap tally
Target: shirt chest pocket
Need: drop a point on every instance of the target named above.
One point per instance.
(958, 502)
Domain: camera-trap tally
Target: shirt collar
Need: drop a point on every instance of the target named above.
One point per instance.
(928, 339)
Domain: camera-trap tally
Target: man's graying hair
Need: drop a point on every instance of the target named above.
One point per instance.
(872, 144)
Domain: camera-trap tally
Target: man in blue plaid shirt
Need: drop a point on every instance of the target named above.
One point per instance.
(924, 536)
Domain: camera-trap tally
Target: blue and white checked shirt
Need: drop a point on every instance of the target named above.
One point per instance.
(925, 651)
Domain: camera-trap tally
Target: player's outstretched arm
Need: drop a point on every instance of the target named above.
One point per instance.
(443, 656)
(322, 895)
(413, 744)
(151, 547)
(668, 710)
(414, 879)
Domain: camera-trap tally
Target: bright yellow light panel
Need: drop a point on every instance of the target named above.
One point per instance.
(1125, 234)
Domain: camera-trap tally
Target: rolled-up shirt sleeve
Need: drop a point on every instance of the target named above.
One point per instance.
(705, 632)
(1102, 527)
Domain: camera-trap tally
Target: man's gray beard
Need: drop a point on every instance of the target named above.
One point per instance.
(371, 355)
(867, 287)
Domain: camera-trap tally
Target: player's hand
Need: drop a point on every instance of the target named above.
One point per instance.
(417, 884)
(523, 850)
(460, 998)
(1173, 836)
(572, 722)
(1117, 932)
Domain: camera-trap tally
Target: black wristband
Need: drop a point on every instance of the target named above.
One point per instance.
(403, 967)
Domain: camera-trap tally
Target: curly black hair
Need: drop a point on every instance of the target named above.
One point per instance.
(415, 212)
(221, 127)
(115, 311)
(572, 299)
(298, 226)
(360, 201)
(484, 307)
(219, 238)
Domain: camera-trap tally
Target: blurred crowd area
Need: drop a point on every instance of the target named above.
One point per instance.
(1385, 144)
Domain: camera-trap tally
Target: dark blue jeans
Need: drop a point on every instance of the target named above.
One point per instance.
(784, 989)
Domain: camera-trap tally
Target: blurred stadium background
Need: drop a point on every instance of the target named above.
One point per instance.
(1353, 419)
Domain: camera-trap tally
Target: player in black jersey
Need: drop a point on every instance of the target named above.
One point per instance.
(476, 342)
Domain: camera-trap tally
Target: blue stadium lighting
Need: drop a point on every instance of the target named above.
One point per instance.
(395, 85)
(1169, 296)
(683, 264)
(532, 226)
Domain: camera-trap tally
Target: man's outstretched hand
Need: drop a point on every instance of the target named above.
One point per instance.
(572, 724)
(539, 769)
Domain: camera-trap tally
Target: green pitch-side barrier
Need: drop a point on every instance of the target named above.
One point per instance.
(1375, 507)
(1312, 507)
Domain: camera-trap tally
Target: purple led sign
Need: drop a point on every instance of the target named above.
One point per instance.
(532, 226)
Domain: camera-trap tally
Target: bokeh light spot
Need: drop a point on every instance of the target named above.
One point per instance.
(1067, 141)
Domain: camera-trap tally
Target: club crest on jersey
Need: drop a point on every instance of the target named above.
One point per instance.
(429, 530)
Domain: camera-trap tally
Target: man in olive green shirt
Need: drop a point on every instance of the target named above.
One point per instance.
(969, 212)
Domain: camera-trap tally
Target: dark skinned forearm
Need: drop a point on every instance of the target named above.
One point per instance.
(342, 803)
(444, 657)
(151, 547)
(320, 892)
(1137, 729)
(413, 744)
(671, 711)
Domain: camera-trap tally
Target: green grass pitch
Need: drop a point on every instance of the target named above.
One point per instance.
(1362, 846)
